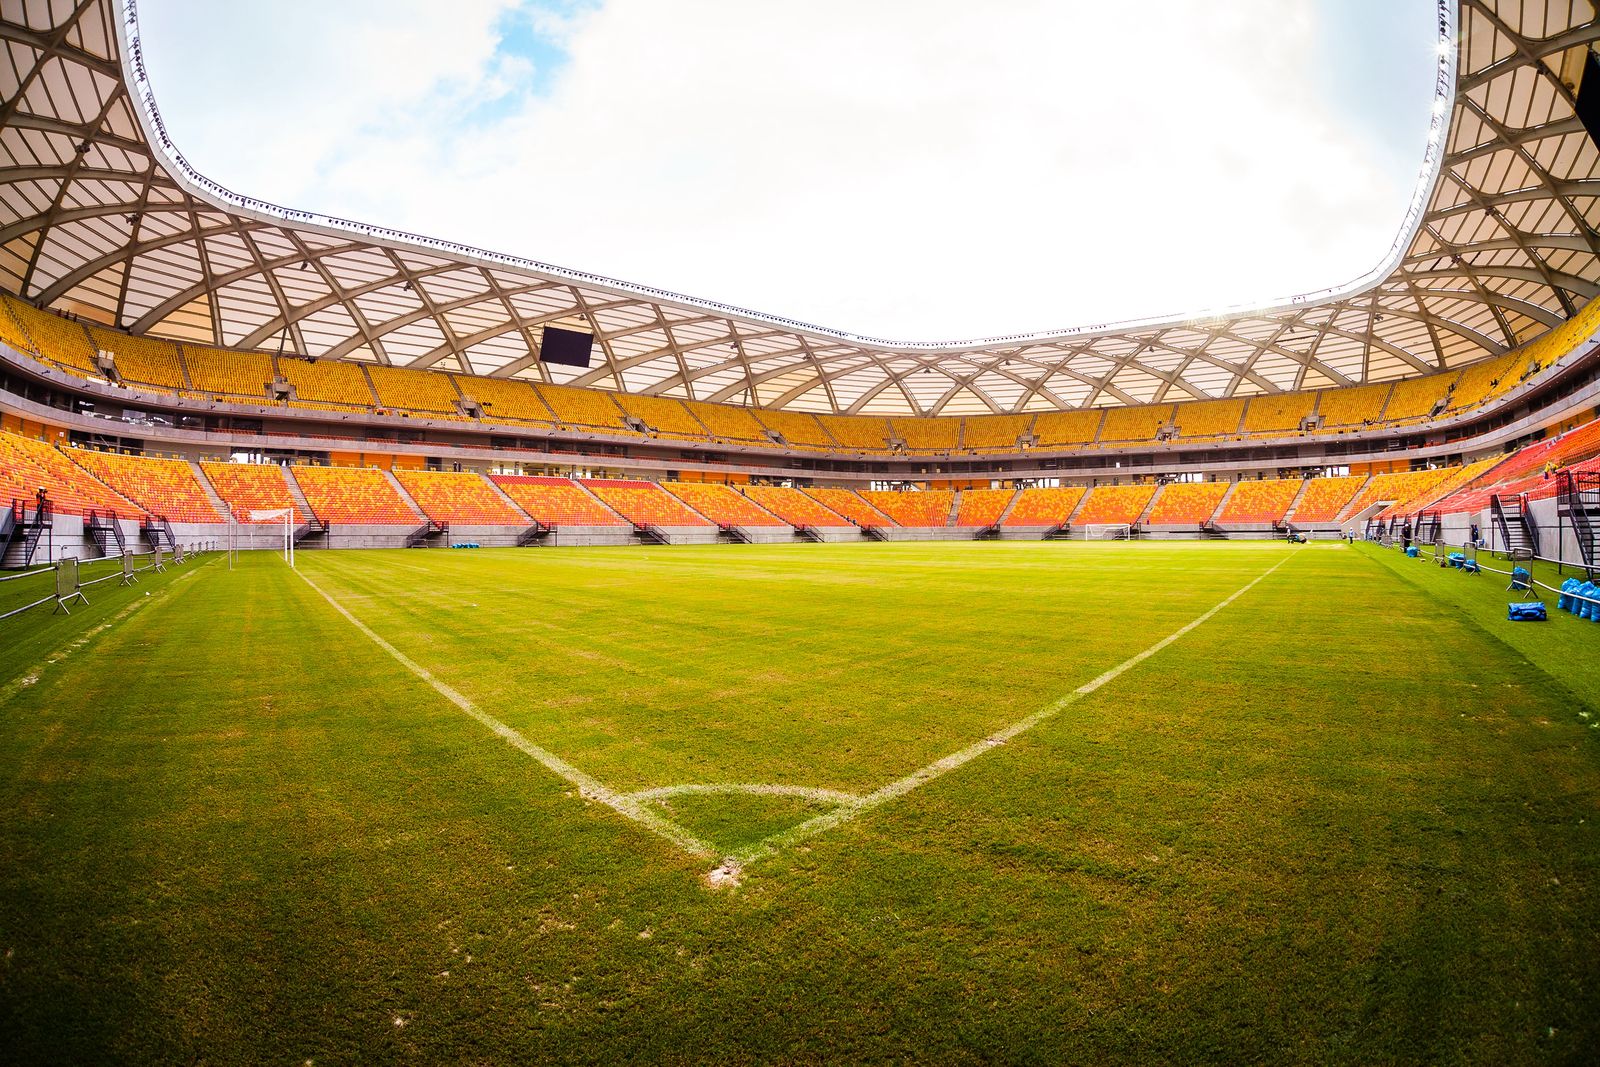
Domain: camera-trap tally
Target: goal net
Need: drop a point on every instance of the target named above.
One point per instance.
(1107, 531)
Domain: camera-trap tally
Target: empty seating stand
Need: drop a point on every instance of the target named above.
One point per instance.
(164, 487)
(249, 487)
(1259, 503)
(26, 466)
(458, 498)
(850, 505)
(1045, 506)
(722, 505)
(1187, 503)
(1114, 504)
(795, 507)
(925, 508)
(643, 503)
(557, 502)
(982, 508)
(359, 496)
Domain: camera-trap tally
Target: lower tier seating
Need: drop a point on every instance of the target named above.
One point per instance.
(1114, 504)
(26, 466)
(929, 507)
(358, 496)
(1326, 498)
(1399, 488)
(1187, 503)
(1260, 501)
(850, 505)
(721, 504)
(164, 487)
(1044, 506)
(556, 501)
(982, 508)
(458, 498)
(793, 506)
(247, 487)
(643, 502)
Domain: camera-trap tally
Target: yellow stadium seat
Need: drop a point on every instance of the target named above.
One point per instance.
(358, 496)
(163, 487)
(927, 508)
(721, 504)
(459, 498)
(1044, 506)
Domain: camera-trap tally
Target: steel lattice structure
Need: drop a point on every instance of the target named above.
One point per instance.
(101, 216)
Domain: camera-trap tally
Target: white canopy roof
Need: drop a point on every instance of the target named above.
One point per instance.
(101, 216)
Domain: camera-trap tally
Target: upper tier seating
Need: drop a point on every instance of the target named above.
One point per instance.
(994, 433)
(857, 432)
(1400, 488)
(1209, 418)
(585, 408)
(1260, 501)
(56, 339)
(11, 331)
(505, 399)
(1044, 506)
(722, 505)
(330, 384)
(1278, 412)
(664, 414)
(422, 391)
(556, 501)
(1354, 407)
(1413, 398)
(982, 508)
(643, 502)
(925, 508)
(1483, 380)
(793, 506)
(1326, 498)
(1187, 503)
(849, 504)
(1135, 424)
(240, 376)
(459, 498)
(1114, 504)
(359, 496)
(247, 487)
(26, 466)
(164, 487)
(729, 423)
(143, 360)
(928, 435)
(1055, 429)
(799, 429)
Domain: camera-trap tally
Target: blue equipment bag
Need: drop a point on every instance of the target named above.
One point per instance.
(1412, 552)
(1458, 560)
(1527, 611)
(1520, 578)
(1583, 603)
(1469, 566)
(1565, 602)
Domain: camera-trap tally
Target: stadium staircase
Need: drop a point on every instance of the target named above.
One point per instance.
(650, 534)
(23, 535)
(299, 497)
(1519, 533)
(734, 534)
(1210, 531)
(430, 534)
(405, 497)
(875, 533)
(104, 530)
(514, 506)
(537, 534)
(1010, 506)
(1578, 502)
(808, 533)
(1061, 532)
(1287, 522)
(1429, 525)
(955, 510)
(210, 490)
(314, 530)
(157, 533)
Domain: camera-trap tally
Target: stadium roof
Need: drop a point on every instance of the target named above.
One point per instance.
(101, 216)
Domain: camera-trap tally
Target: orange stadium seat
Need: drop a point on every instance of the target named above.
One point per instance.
(1326, 498)
(1278, 412)
(587, 409)
(556, 501)
(1260, 501)
(849, 504)
(721, 504)
(1058, 428)
(994, 433)
(793, 506)
(358, 496)
(458, 497)
(1044, 506)
(1400, 489)
(1209, 418)
(1114, 504)
(1187, 503)
(643, 502)
(926, 508)
(1135, 423)
(421, 391)
(247, 487)
(26, 466)
(164, 487)
(982, 507)
(229, 375)
(505, 399)
(1433, 494)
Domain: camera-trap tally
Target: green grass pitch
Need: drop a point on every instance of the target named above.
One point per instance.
(1349, 817)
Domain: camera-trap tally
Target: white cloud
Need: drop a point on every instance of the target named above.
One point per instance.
(963, 170)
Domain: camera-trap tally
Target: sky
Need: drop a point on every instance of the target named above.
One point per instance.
(916, 172)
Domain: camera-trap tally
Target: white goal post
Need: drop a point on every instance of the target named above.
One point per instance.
(1107, 531)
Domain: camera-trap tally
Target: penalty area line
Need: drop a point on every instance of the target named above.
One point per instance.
(937, 769)
(589, 788)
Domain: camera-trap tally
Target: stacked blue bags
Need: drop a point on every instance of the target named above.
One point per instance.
(1581, 599)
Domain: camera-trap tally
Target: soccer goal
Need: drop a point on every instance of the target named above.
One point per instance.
(1107, 531)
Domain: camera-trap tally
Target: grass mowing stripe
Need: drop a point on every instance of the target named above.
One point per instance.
(589, 788)
(901, 786)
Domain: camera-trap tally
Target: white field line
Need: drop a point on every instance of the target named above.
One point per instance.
(900, 787)
(588, 787)
(821, 796)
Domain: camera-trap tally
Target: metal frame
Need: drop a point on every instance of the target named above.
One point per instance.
(1495, 249)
